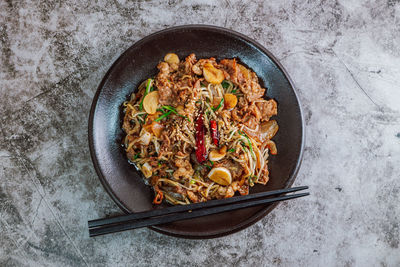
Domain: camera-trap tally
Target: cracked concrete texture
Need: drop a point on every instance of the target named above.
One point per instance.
(343, 56)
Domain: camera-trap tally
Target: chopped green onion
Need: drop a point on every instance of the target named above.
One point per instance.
(212, 163)
(172, 109)
(220, 104)
(231, 150)
(249, 142)
(136, 156)
(145, 93)
(202, 84)
(163, 116)
(208, 166)
(225, 84)
(192, 181)
(234, 91)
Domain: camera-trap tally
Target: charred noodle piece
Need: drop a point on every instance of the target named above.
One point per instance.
(201, 150)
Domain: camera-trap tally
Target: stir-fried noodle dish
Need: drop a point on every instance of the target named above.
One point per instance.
(200, 130)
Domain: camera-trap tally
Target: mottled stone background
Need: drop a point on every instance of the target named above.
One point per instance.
(344, 57)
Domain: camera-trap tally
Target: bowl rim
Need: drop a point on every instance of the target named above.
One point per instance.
(250, 220)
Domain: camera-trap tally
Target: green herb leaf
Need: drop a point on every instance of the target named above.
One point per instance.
(249, 142)
(212, 163)
(208, 166)
(136, 156)
(163, 116)
(225, 84)
(142, 118)
(234, 91)
(231, 150)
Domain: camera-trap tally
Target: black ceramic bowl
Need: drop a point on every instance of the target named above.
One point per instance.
(125, 184)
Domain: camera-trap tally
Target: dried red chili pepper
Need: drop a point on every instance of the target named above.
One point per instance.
(201, 152)
(214, 132)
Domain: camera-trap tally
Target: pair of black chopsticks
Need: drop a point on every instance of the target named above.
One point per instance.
(184, 212)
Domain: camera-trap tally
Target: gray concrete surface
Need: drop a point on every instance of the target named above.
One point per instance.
(344, 57)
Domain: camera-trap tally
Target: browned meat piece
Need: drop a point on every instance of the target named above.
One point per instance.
(183, 95)
(231, 68)
(189, 62)
(251, 122)
(246, 79)
(184, 169)
(163, 83)
(244, 189)
(264, 177)
(267, 108)
(255, 111)
(249, 115)
(252, 90)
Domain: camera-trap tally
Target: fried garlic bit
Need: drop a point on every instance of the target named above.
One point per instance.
(212, 74)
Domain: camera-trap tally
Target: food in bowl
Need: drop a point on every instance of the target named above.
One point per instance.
(200, 130)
